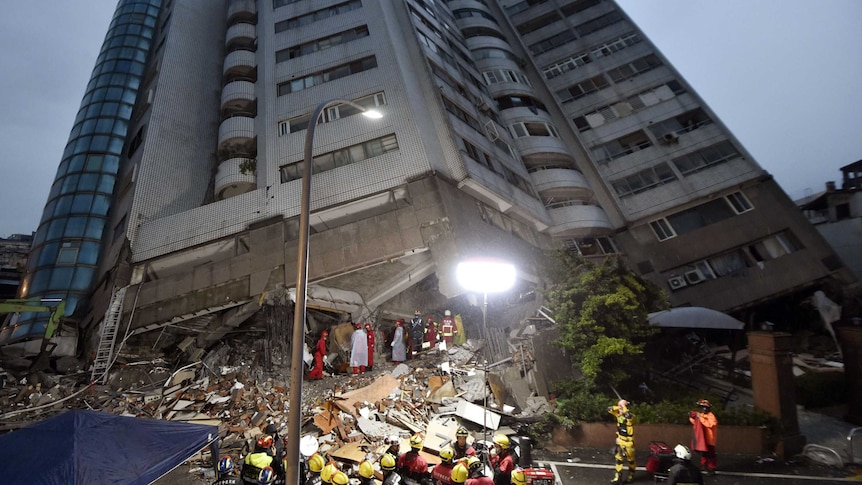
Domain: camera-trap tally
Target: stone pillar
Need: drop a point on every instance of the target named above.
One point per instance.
(851, 349)
(772, 383)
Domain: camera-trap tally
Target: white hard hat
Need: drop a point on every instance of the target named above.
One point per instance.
(682, 452)
(447, 313)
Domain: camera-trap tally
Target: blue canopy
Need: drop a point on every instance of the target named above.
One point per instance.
(81, 446)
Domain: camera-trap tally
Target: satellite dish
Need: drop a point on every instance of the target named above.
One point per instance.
(308, 445)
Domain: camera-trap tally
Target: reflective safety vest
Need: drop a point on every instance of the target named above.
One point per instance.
(447, 327)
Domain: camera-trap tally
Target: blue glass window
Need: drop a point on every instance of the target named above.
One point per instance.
(83, 279)
(81, 203)
(40, 280)
(49, 254)
(55, 230)
(115, 146)
(95, 228)
(101, 204)
(99, 143)
(21, 330)
(110, 164)
(70, 183)
(120, 128)
(60, 278)
(76, 163)
(89, 253)
(104, 125)
(64, 205)
(106, 184)
(75, 227)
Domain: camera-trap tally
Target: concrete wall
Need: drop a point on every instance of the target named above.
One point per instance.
(731, 439)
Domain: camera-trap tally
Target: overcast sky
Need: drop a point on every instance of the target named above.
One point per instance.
(783, 75)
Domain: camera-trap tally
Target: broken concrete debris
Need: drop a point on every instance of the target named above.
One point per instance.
(348, 418)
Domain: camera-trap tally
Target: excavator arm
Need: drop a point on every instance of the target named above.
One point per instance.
(37, 305)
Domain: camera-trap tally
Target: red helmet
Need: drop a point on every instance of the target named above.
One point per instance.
(399, 322)
(417, 312)
(265, 441)
(704, 403)
(357, 325)
(324, 333)
(367, 324)
(430, 319)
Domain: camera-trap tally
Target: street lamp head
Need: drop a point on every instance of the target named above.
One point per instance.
(486, 275)
(372, 114)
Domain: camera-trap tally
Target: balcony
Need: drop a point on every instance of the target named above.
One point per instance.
(578, 220)
(237, 97)
(231, 181)
(240, 63)
(242, 11)
(536, 145)
(241, 36)
(561, 182)
(237, 129)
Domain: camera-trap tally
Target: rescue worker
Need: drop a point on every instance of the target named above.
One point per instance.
(370, 333)
(390, 474)
(519, 476)
(477, 472)
(704, 433)
(399, 349)
(462, 449)
(315, 466)
(225, 472)
(256, 461)
(412, 465)
(502, 460)
(683, 470)
(358, 350)
(448, 328)
(460, 473)
(277, 453)
(417, 333)
(442, 472)
(328, 472)
(625, 441)
(366, 473)
(319, 355)
(266, 476)
(431, 333)
(340, 478)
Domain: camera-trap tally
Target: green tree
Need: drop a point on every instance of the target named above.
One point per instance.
(601, 310)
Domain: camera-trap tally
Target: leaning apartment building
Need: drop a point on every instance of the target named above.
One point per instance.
(510, 127)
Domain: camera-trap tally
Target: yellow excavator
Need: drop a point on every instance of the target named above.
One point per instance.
(55, 307)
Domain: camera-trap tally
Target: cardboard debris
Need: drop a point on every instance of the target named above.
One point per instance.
(475, 414)
(379, 389)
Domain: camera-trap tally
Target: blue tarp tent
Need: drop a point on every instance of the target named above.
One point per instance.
(86, 447)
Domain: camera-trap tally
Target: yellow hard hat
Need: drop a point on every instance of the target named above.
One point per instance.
(519, 477)
(328, 471)
(340, 478)
(473, 463)
(459, 473)
(387, 462)
(316, 463)
(501, 440)
(416, 441)
(366, 469)
(446, 454)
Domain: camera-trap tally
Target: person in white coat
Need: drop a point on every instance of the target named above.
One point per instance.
(358, 349)
(399, 349)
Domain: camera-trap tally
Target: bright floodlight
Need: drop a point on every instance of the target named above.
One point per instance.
(372, 113)
(486, 275)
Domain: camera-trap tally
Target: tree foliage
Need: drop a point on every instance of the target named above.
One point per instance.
(602, 314)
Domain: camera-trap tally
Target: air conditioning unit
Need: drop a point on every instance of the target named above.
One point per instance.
(694, 277)
(676, 282)
(670, 138)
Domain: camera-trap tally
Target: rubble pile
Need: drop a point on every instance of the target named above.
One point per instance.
(350, 417)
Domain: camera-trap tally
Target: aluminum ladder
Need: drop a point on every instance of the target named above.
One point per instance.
(108, 336)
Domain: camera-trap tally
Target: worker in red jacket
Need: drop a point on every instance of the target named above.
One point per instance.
(431, 332)
(502, 460)
(412, 465)
(477, 472)
(441, 474)
(448, 328)
(319, 354)
(370, 333)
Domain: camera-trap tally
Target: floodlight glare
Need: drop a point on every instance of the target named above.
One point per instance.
(486, 275)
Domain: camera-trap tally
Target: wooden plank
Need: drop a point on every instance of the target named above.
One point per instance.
(325, 421)
(352, 452)
(438, 435)
(377, 390)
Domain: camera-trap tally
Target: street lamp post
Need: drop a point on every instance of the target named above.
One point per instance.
(486, 276)
(298, 335)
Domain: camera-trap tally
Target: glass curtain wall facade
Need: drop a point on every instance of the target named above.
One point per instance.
(66, 248)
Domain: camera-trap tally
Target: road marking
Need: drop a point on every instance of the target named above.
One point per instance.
(555, 464)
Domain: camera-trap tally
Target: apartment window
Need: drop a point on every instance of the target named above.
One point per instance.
(739, 202)
(462, 115)
(566, 65)
(592, 246)
(622, 146)
(281, 3)
(333, 113)
(68, 253)
(505, 76)
(342, 157)
(667, 131)
(538, 23)
(599, 23)
(328, 75)
(662, 229)
(705, 157)
(634, 68)
(521, 6)
(465, 13)
(608, 48)
(729, 263)
(647, 179)
(582, 89)
(477, 154)
(628, 106)
(774, 247)
(493, 53)
(317, 15)
(533, 128)
(321, 44)
(552, 42)
(578, 6)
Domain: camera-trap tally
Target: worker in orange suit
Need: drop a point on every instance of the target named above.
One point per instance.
(370, 333)
(319, 354)
(704, 434)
